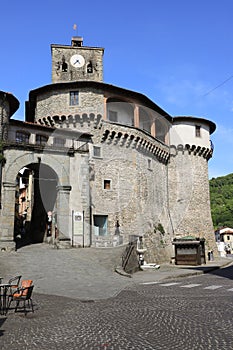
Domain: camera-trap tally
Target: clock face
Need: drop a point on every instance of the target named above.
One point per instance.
(77, 61)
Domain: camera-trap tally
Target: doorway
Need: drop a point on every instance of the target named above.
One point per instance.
(100, 225)
(35, 196)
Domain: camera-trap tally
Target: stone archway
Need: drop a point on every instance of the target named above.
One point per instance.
(36, 194)
(57, 167)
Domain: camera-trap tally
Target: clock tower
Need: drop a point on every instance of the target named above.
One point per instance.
(76, 62)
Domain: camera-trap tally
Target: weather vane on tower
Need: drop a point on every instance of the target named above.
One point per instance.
(75, 28)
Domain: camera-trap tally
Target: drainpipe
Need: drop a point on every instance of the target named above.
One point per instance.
(1, 149)
(1, 166)
(1, 184)
(90, 225)
(91, 180)
(72, 233)
(83, 230)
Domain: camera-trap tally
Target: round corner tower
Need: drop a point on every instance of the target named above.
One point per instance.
(189, 200)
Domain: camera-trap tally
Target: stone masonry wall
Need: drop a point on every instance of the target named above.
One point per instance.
(57, 104)
(80, 197)
(4, 113)
(138, 194)
(189, 199)
(93, 55)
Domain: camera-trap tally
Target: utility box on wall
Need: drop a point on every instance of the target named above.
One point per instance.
(189, 251)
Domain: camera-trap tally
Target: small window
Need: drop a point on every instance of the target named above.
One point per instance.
(59, 142)
(198, 131)
(74, 98)
(107, 184)
(96, 151)
(228, 238)
(149, 164)
(112, 116)
(22, 137)
(41, 139)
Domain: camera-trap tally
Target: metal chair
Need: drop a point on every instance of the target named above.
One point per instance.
(23, 295)
(14, 283)
(8, 289)
(18, 292)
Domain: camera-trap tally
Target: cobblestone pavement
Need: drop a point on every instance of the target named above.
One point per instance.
(85, 271)
(148, 311)
(89, 273)
(143, 317)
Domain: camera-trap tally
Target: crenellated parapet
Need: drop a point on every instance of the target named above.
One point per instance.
(75, 121)
(196, 150)
(137, 139)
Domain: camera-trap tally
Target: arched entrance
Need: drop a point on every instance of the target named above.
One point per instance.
(36, 194)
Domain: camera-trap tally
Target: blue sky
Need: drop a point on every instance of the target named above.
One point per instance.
(179, 53)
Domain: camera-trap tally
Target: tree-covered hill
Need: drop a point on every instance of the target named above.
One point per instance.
(221, 198)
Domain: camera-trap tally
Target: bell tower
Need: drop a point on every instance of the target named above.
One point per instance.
(76, 62)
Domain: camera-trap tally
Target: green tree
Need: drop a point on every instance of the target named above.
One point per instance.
(221, 199)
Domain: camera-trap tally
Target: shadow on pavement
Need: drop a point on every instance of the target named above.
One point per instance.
(2, 320)
(221, 271)
(226, 272)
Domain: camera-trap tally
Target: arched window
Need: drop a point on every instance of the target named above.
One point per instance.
(119, 111)
(89, 67)
(144, 120)
(22, 137)
(161, 128)
(64, 65)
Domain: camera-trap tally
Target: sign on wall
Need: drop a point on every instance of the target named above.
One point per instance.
(78, 223)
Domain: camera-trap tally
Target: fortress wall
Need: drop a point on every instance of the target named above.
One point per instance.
(189, 199)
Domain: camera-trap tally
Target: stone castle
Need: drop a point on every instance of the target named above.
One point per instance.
(108, 162)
